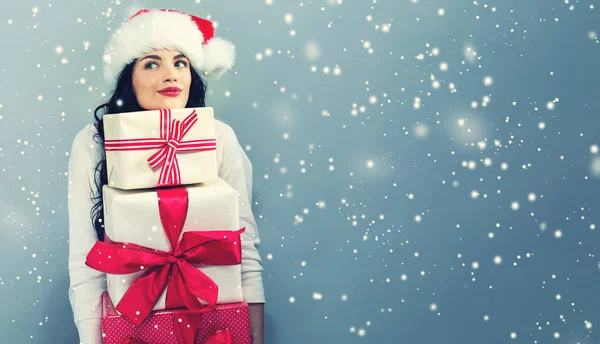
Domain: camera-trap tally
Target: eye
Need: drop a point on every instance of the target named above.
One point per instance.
(147, 66)
(183, 63)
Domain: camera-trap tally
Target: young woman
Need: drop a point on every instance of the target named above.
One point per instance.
(154, 61)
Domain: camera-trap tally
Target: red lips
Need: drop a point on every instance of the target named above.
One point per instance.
(170, 91)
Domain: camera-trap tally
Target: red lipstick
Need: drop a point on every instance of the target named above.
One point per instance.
(170, 91)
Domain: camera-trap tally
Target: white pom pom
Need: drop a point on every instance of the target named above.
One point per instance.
(219, 57)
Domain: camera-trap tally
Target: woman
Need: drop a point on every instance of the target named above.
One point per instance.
(152, 62)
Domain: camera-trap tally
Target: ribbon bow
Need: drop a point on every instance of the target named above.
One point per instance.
(186, 284)
(170, 143)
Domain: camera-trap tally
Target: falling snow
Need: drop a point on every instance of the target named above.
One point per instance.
(411, 160)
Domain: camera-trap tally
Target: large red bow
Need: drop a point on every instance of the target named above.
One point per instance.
(170, 143)
(185, 282)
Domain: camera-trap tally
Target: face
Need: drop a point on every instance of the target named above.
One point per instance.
(161, 80)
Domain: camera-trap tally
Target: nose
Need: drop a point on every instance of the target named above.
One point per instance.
(170, 75)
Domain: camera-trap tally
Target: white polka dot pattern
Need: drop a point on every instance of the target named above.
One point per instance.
(158, 327)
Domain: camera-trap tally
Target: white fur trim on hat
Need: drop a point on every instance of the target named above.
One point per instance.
(219, 56)
(165, 30)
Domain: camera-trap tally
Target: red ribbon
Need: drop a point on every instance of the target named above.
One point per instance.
(222, 337)
(185, 282)
(186, 325)
(170, 143)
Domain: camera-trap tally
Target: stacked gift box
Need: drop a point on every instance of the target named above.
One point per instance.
(172, 249)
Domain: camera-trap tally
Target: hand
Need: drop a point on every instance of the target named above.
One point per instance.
(257, 316)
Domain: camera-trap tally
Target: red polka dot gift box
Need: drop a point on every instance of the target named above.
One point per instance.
(226, 324)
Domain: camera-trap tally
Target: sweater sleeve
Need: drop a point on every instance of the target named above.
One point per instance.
(86, 284)
(236, 170)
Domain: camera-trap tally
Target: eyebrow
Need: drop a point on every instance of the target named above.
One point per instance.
(156, 57)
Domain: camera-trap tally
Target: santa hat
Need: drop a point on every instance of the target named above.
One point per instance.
(166, 29)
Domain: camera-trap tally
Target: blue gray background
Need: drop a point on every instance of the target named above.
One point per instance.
(439, 188)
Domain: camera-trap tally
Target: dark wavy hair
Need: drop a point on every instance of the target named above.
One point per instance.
(123, 100)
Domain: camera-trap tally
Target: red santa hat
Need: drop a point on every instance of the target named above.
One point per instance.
(167, 29)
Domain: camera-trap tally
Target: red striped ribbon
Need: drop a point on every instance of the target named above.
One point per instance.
(170, 143)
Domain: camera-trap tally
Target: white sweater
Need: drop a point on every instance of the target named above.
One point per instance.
(87, 284)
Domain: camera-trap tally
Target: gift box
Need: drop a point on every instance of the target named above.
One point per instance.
(227, 324)
(170, 248)
(167, 147)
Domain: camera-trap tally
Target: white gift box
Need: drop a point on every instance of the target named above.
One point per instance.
(132, 216)
(132, 138)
